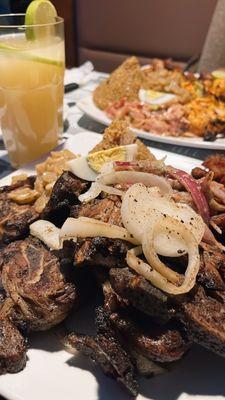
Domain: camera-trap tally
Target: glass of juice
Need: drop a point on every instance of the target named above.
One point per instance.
(32, 64)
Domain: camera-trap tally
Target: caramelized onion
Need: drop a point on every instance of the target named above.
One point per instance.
(89, 227)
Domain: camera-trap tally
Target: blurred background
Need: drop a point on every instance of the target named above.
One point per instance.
(106, 32)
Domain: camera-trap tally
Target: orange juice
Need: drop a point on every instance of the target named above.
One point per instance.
(31, 95)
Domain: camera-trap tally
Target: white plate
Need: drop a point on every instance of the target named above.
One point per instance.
(53, 374)
(88, 107)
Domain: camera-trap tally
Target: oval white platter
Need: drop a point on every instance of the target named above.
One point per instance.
(53, 374)
(87, 106)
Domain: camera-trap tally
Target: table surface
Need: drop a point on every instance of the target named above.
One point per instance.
(76, 121)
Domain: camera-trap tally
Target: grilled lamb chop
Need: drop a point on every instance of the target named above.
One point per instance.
(105, 349)
(15, 218)
(34, 284)
(12, 348)
(64, 195)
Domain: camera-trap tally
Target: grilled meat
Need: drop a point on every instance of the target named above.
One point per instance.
(106, 210)
(106, 350)
(216, 163)
(12, 348)
(35, 286)
(15, 218)
(64, 195)
(202, 313)
(204, 317)
(198, 173)
(141, 294)
(101, 251)
(164, 343)
(212, 261)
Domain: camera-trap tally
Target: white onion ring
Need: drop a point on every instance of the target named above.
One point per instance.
(147, 271)
(89, 227)
(159, 280)
(140, 205)
(172, 224)
(95, 190)
(150, 180)
(47, 232)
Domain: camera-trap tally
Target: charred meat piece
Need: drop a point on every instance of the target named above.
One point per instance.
(101, 251)
(12, 348)
(106, 350)
(162, 344)
(204, 317)
(141, 294)
(64, 195)
(33, 281)
(216, 163)
(106, 210)
(198, 173)
(112, 301)
(15, 218)
(212, 260)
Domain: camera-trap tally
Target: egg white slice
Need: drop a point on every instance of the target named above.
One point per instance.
(155, 98)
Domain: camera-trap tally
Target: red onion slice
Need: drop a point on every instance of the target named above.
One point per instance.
(194, 189)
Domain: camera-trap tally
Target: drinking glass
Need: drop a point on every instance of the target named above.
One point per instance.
(32, 65)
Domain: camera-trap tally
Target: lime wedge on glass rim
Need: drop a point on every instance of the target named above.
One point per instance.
(38, 14)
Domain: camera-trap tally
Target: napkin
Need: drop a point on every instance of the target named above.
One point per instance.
(81, 75)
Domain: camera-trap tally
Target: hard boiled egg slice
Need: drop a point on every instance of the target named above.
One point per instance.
(89, 167)
(219, 73)
(155, 98)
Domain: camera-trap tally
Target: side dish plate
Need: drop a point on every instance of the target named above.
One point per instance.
(89, 108)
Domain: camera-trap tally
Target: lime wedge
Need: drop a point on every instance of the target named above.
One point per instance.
(40, 12)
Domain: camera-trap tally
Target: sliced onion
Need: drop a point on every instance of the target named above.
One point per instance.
(141, 205)
(95, 190)
(194, 189)
(165, 225)
(147, 179)
(47, 232)
(159, 280)
(89, 227)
